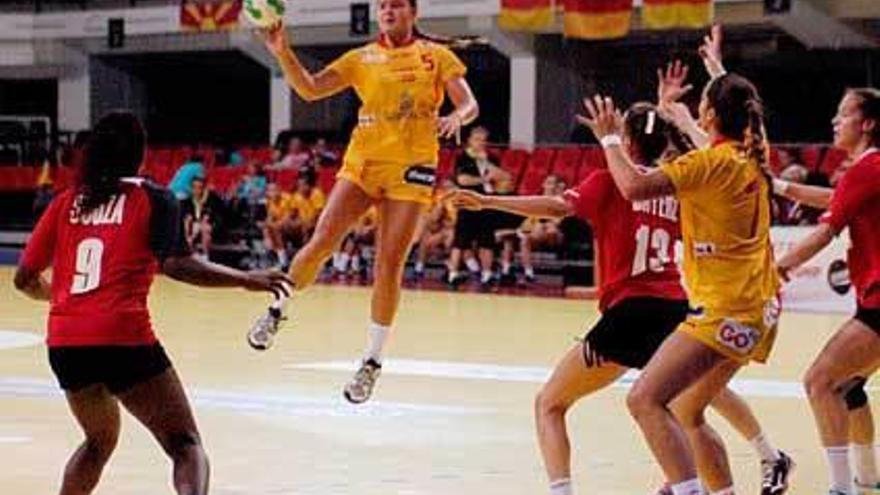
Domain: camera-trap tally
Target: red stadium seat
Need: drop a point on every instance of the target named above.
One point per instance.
(537, 169)
(446, 163)
(286, 179)
(566, 164)
(834, 157)
(593, 159)
(514, 162)
(327, 178)
(811, 156)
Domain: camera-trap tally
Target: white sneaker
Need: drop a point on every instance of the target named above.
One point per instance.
(262, 334)
(862, 489)
(360, 388)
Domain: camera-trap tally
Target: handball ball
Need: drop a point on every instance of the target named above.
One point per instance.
(264, 13)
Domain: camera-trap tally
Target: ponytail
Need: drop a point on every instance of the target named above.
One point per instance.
(452, 42)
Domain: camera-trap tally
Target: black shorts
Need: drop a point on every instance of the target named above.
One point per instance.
(870, 317)
(631, 331)
(473, 227)
(117, 367)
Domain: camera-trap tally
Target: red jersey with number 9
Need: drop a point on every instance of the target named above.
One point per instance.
(638, 242)
(103, 262)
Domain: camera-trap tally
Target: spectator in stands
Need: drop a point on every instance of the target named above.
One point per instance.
(306, 203)
(296, 156)
(181, 183)
(252, 187)
(475, 171)
(353, 257)
(436, 231)
(322, 156)
(279, 224)
(789, 157)
(202, 215)
(541, 233)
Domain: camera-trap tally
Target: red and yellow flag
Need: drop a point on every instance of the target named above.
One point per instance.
(597, 19)
(670, 14)
(209, 15)
(526, 15)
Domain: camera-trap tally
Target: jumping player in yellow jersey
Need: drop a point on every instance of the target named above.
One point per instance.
(401, 80)
(728, 270)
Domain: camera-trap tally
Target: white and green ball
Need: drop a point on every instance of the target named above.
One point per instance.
(264, 13)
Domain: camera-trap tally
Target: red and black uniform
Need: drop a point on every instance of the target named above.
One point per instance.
(103, 262)
(856, 204)
(640, 292)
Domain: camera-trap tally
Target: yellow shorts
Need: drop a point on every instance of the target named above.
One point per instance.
(390, 180)
(742, 336)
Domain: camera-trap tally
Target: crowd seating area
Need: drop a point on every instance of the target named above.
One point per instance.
(528, 168)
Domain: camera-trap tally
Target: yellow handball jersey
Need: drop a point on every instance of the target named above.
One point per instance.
(401, 90)
(308, 208)
(280, 208)
(725, 223)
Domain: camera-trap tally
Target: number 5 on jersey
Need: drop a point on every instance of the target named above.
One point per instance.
(88, 266)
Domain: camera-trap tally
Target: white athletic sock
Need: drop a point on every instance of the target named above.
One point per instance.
(376, 336)
(530, 272)
(688, 487)
(420, 267)
(355, 263)
(764, 449)
(561, 487)
(838, 463)
(505, 268)
(724, 491)
(864, 464)
(472, 265)
(340, 263)
(486, 277)
(453, 274)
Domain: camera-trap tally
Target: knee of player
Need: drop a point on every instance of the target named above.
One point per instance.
(103, 444)
(546, 404)
(817, 382)
(641, 402)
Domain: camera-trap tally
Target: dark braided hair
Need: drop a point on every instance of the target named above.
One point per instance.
(453, 42)
(740, 113)
(653, 136)
(869, 105)
(115, 149)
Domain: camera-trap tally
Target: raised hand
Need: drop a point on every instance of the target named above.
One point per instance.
(275, 38)
(671, 83)
(602, 117)
(450, 127)
(710, 52)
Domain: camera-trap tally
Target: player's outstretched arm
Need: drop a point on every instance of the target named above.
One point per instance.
(803, 251)
(466, 109)
(32, 284)
(813, 196)
(193, 271)
(606, 122)
(530, 206)
(308, 86)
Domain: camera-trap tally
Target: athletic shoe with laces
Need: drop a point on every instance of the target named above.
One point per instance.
(775, 474)
(360, 388)
(863, 489)
(262, 334)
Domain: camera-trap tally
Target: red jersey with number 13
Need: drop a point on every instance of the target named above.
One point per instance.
(637, 241)
(103, 262)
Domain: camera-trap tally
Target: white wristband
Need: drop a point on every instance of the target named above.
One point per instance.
(780, 187)
(611, 140)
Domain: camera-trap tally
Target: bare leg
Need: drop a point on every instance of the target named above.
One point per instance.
(97, 413)
(572, 379)
(679, 363)
(397, 226)
(160, 404)
(346, 204)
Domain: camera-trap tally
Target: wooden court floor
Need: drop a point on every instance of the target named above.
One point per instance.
(451, 415)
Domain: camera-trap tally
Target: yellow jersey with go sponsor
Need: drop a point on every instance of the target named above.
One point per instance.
(725, 223)
(401, 90)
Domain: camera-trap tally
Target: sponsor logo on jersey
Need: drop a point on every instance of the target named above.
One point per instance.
(704, 248)
(422, 175)
(772, 311)
(738, 337)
